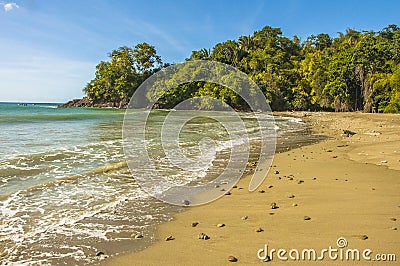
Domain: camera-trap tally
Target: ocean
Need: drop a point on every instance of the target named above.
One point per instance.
(66, 192)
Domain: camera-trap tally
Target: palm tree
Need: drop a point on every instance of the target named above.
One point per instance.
(205, 53)
(202, 54)
(246, 43)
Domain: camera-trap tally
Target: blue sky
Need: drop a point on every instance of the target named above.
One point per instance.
(49, 49)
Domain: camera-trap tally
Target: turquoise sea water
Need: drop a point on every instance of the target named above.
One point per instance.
(45, 143)
(66, 192)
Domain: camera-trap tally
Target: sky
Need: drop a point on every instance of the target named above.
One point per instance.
(49, 49)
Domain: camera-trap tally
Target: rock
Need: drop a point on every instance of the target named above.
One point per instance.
(194, 224)
(84, 102)
(363, 237)
(290, 178)
(220, 225)
(294, 205)
(87, 102)
(234, 186)
(216, 186)
(232, 259)
(393, 219)
(270, 186)
(329, 151)
(186, 202)
(222, 189)
(261, 191)
(291, 196)
(271, 213)
(274, 205)
(276, 172)
(394, 228)
(307, 218)
(259, 230)
(203, 236)
(334, 157)
(245, 217)
(314, 178)
(348, 133)
(99, 253)
(300, 181)
(228, 193)
(137, 236)
(169, 238)
(384, 161)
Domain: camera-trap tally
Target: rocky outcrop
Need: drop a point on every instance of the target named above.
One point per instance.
(87, 102)
(84, 102)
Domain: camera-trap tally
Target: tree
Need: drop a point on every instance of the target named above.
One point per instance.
(203, 54)
(356, 70)
(145, 58)
(117, 79)
(228, 52)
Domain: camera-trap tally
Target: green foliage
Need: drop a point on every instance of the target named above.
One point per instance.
(117, 79)
(394, 104)
(391, 108)
(353, 71)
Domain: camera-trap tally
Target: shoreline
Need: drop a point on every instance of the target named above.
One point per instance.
(348, 186)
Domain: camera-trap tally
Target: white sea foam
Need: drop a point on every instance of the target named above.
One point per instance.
(74, 197)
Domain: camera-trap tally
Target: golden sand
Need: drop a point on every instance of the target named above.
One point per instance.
(350, 189)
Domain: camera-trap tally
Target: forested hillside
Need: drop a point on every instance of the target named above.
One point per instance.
(352, 71)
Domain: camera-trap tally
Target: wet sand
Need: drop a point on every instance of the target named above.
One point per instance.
(349, 186)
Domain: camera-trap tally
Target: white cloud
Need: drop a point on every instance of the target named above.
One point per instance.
(10, 6)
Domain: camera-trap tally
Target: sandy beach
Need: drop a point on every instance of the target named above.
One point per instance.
(346, 186)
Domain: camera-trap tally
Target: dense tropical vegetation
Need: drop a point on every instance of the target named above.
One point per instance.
(353, 71)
